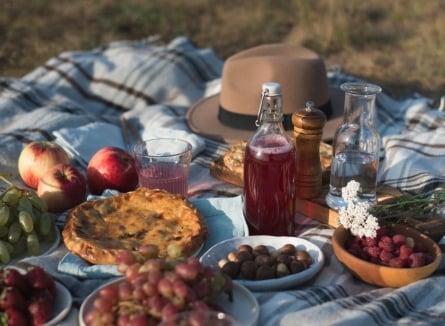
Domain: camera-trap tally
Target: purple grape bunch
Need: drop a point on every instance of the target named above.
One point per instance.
(154, 289)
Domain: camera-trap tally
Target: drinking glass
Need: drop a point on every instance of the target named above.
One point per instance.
(163, 163)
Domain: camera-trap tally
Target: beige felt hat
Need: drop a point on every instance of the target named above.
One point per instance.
(230, 115)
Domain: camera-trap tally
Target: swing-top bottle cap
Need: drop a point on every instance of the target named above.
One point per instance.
(272, 88)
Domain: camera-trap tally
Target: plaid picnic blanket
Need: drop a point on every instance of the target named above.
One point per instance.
(78, 98)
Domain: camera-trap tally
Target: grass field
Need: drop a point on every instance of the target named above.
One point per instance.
(398, 44)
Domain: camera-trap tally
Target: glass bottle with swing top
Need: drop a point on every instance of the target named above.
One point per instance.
(269, 170)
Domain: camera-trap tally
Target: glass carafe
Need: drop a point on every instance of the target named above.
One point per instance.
(356, 145)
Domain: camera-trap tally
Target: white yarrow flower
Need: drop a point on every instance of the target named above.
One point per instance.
(350, 192)
(355, 216)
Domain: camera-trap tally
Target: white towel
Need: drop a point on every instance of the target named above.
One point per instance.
(165, 121)
(83, 142)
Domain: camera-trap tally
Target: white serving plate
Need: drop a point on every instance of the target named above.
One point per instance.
(62, 305)
(244, 307)
(220, 251)
(45, 249)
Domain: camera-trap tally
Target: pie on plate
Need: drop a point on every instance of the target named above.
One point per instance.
(97, 230)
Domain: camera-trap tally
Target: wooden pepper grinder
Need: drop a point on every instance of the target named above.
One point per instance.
(308, 129)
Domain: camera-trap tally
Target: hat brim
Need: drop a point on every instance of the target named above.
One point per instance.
(202, 118)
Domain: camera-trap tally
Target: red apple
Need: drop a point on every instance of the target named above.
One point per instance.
(111, 168)
(37, 157)
(62, 187)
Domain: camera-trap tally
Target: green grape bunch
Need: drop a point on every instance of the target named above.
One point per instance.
(24, 223)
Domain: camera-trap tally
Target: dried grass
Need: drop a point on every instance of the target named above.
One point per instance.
(398, 44)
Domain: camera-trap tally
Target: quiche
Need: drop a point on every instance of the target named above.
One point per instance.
(230, 166)
(96, 230)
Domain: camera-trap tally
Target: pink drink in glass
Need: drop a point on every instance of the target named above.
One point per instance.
(168, 176)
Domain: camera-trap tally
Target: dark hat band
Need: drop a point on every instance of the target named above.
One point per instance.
(247, 122)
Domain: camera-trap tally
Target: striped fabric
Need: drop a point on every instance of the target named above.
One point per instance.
(129, 79)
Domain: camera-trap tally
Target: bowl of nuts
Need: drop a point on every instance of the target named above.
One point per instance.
(266, 263)
(397, 256)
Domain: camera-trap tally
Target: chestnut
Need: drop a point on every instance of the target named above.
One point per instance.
(288, 249)
(303, 255)
(282, 270)
(248, 270)
(263, 259)
(231, 269)
(260, 250)
(245, 247)
(265, 272)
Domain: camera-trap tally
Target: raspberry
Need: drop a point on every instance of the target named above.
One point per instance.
(395, 250)
(398, 262)
(399, 239)
(428, 258)
(354, 249)
(382, 231)
(356, 241)
(364, 255)
(370, 242)
(420, 247)
(386, 256)
(373, 251)
(417, 259)
(405, 251)
(386, 244)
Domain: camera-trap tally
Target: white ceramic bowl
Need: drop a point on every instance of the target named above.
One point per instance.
(221, 250)
(62, 306)
(45, 249)
(63, 302)
(244, 308)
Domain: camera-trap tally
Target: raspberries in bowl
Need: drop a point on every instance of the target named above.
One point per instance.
(397, 256)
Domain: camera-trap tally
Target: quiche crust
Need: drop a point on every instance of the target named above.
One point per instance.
(96, 230)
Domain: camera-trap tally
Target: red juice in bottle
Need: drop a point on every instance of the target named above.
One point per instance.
(269, 192)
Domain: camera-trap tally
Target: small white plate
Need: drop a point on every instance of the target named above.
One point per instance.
(62, 305)
(243, 308)
(221, 250)
(45, 249)
(48, 247)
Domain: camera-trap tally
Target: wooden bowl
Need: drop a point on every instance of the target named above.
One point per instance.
(384, 276)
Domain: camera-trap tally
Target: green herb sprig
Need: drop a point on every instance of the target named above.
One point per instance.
(422, 204)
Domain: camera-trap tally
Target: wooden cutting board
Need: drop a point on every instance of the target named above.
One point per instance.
(317, 208)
